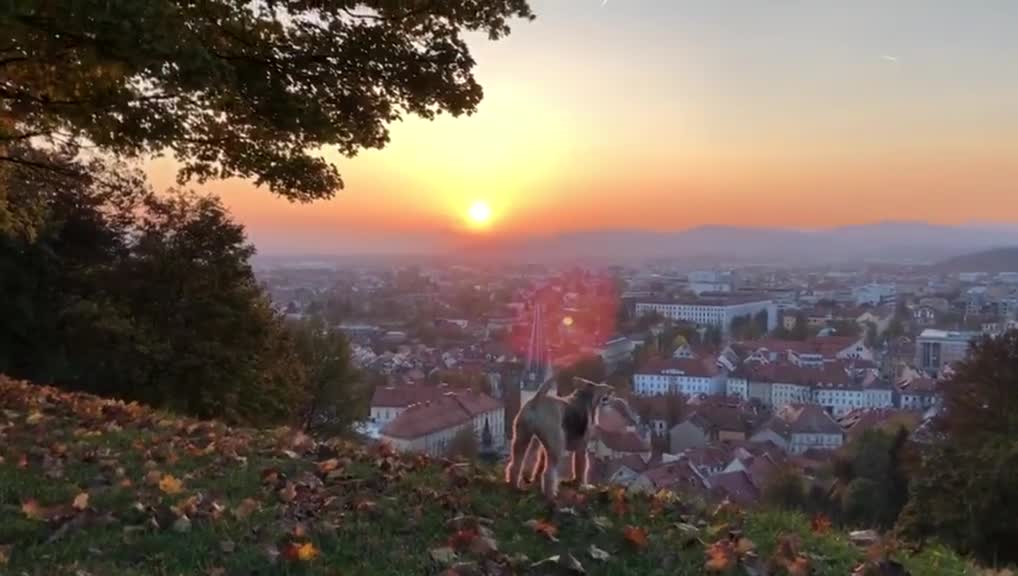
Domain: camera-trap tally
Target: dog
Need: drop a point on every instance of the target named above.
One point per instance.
(559, 425)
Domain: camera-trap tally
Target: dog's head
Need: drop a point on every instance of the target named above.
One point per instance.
(599, 394)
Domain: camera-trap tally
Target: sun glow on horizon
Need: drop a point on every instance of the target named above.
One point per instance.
(479, 214)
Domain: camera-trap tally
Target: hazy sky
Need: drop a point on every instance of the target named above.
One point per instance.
(670, 114)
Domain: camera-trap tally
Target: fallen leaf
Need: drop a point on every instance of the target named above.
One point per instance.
(227, 546)
(635, 535)
(5, 554)
(170, 485)
(602, 522)
(745, 546)
(80, 501)
(288, 492)
(820, 524)
(306, 552)
(544, 528)
(720, 556)
(31, 509)
(565, 562)
(598, 554)
(326, 466)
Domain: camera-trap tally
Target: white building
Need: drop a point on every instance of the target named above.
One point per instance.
(716, 310)
(875, 294)
(429, 427)
(802, 427)
(688, 376)
(938, 348)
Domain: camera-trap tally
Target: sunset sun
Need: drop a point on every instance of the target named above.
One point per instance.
(479, 214)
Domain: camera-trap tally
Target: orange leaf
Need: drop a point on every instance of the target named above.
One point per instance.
(5, 554)
(635, 535)
(820, 524)
(80, 501)
(171, 485)
(296, 551)
(544, 528)
(720, 556)
(327, 466)
(288, 492)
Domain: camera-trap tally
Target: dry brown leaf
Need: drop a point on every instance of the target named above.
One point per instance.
(5, 554)
(287, 493)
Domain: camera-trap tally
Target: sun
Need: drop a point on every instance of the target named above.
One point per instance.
(479, 214)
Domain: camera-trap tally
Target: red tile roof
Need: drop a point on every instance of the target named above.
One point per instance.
(623, 440)
(403, 396)
(736, 486)
(807, 419)
(447, 411)
(673, 475)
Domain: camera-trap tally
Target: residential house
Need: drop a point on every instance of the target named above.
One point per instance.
(917, 393)
(429, 427)
(801, 427)
(708, 424)
(688, 376)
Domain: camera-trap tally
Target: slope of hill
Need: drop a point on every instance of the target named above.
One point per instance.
(96, 487)
(992, 261)
(879, 242)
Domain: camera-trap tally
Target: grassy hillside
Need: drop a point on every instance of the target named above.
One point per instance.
(95, 487)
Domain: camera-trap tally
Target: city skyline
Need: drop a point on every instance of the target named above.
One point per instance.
(654, 116)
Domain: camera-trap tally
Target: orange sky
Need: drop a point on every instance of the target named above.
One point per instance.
(670, 115)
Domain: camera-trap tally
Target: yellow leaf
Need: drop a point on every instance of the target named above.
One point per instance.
(171, 485)
(81, 501)
(307, 551)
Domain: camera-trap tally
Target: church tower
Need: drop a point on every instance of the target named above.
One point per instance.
(537, 363)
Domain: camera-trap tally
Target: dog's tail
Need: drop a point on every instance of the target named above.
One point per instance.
(543, 390)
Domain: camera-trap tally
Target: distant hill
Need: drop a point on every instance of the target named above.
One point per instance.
(916, 242)
(992, 261)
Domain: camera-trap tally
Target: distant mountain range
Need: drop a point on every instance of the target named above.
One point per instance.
(915, 242)
(993, 261)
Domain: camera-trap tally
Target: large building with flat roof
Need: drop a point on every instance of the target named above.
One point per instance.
(712, 310)
(938, 348)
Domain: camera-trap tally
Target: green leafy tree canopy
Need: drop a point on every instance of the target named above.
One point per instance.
(237, 88)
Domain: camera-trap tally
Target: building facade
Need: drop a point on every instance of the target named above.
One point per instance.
(716, 310)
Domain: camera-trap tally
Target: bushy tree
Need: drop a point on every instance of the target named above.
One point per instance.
(966, 490)
(119, 291)
(464, 445)
(339, 397)
(237, 88)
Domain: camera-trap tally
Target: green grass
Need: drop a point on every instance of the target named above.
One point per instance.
(377, 514)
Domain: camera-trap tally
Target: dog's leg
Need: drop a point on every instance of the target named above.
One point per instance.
(540, 464)
(580, 466)
(554, 447)
(517, 456)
